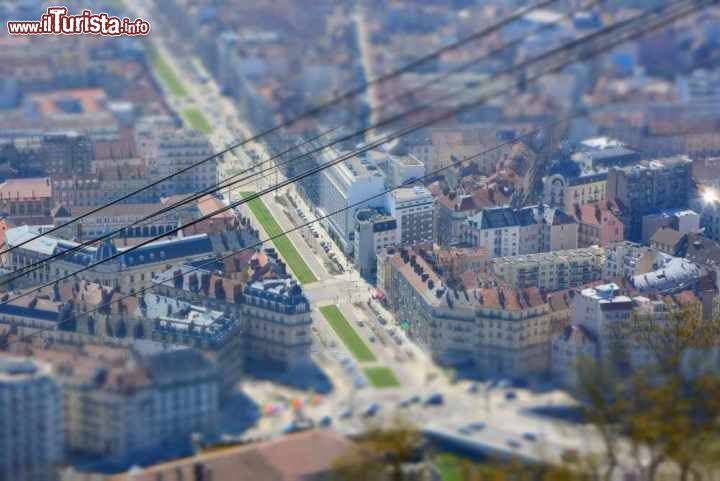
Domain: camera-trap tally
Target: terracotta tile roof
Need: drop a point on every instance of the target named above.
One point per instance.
(295, 457)
(35, 187)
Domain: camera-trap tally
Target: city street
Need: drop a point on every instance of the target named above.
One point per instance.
(508, 427)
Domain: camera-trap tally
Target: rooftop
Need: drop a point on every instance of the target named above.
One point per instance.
(294, 457)
(31, 188)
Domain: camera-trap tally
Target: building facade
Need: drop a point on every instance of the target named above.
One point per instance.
(31, 431)
(412, 207)
(173, 151)
(374, 232)
(649, 187)
(498, 330)
(505, 231)
(553, 270)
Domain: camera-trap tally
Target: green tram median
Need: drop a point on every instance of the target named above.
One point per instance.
(282, 243)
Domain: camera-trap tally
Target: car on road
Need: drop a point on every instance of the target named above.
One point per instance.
(411, 400)
(510, 395)
(296, 426)
(477, 426)
(348, 413)
(513, 444)
(372, 410)
(360, 382)
(529, 437)
(473, 388)
(465, 431)
(435, 399)
(504, 384)
(382, 321)
(372, 339)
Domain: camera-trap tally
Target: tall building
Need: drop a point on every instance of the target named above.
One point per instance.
(649, 187)
(278, 323)
(347, 185)
(412, 207)
(374, 232)
(31, 421)
(173, 151)
(65, 152)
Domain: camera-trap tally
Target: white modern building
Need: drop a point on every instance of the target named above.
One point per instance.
(31, 421)
(374, 232)
(347, 185)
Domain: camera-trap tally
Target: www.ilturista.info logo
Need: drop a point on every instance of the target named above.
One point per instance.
(56, 21)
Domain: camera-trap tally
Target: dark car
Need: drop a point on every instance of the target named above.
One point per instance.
(436, 399)
(372, 410)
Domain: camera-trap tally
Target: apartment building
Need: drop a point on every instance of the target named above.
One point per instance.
(505, 231)
(67, 151)
(168, 152)
(552, 271)
(600, 328)
(267, 320)
(278, 323)
(496, 329)
(31, 430)
(374, 232)
(582, 178)
(598, 225)
(125, 271)
(565, 191)
(114, 218)
(649, 187)
(27, 201)
(127, 406)
(451, 211)
(625, 259)
(412, 207)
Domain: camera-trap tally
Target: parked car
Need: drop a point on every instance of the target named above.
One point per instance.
(477, 426)
(513, 444)
(510, 395)
(529, 437)
(435, 399)
(325, 421)
(372, 410)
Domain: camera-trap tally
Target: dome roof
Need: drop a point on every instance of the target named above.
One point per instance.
(105, 249)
